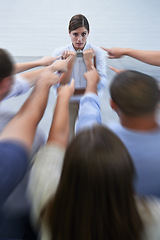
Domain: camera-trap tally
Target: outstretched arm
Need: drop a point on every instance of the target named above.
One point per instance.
(56, 66)
(59, 131)
(48, 162)
(17, 137)
(147, 56)
(66, 77)
(89, 110)
(23, 126)
(44, 61)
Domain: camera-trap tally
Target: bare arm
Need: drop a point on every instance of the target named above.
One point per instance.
(44, 61)
(65, 77)
(147, 56)
(23, 126)
(88, 56)
(59, 131)
(92, 78)
(32, 76)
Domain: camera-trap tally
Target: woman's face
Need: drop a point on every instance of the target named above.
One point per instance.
(79, 37)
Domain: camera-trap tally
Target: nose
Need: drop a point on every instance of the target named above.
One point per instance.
(79, 38)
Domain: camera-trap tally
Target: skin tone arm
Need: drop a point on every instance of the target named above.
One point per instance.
(44, 61)
(92, 78)
(59, 131)
(65, 77)
(89, 110)
(147, 56)
(59, 65)
(88, 55)
(23, 126)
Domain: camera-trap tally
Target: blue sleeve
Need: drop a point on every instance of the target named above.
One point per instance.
(13, 165)
(89, 112)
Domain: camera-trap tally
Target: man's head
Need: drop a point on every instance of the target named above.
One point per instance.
(6, 71)
(135, 94)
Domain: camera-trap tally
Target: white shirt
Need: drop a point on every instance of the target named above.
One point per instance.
(79, 67)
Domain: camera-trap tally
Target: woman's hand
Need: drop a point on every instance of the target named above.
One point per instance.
(88, 55)
(71, 54)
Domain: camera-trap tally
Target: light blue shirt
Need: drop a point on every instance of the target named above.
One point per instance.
(79, 67)
(20, 86)
(89, 112)
(143, 146)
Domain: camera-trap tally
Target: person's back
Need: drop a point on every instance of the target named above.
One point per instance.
(145, 151)
(135, 97)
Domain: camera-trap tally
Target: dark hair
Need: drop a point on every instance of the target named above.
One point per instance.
(95, 195)
(134, 93)
(78, 21)
(6, 64)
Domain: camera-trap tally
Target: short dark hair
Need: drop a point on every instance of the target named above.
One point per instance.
(135, 93)
(6, 64)
(78, 21)
(95, 195)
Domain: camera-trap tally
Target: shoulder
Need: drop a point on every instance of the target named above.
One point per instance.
(13, 165)
(61, 49)
(12, 148)
(13, 153)
(149, 210)
(97, 50)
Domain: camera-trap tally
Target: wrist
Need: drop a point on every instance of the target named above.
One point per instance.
(91, 88)
(127, 51)
(88, 64)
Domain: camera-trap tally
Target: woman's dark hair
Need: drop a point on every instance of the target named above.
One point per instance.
(6, 64)
(95, 196)
(78, 21)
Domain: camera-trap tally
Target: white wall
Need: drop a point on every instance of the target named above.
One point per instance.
(31, 28)
(36, 27)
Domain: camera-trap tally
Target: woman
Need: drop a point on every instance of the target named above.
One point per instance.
(84, 55)
(95, 195)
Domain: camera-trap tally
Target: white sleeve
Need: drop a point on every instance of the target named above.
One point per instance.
(20, 86)
(44, 177)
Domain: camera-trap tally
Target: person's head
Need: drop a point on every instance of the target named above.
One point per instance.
(135, 94)
(95, 195)
(6, 71)
(78, 30)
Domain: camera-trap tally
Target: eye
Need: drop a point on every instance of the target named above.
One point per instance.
(75, 34)
(83, 34)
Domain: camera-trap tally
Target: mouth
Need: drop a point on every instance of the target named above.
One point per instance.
(79, 44)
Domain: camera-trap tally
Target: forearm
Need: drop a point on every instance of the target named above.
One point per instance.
(20, 67)
(66, 76)
(59, 131)
(23, 126)
(46, 172)
(32, 76)
(147, 56)
(89, 64)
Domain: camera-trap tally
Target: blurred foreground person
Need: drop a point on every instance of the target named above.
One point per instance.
(134, 97)
(89, 194)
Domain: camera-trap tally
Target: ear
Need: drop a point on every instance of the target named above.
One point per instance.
(5, 84)
(113, 105)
